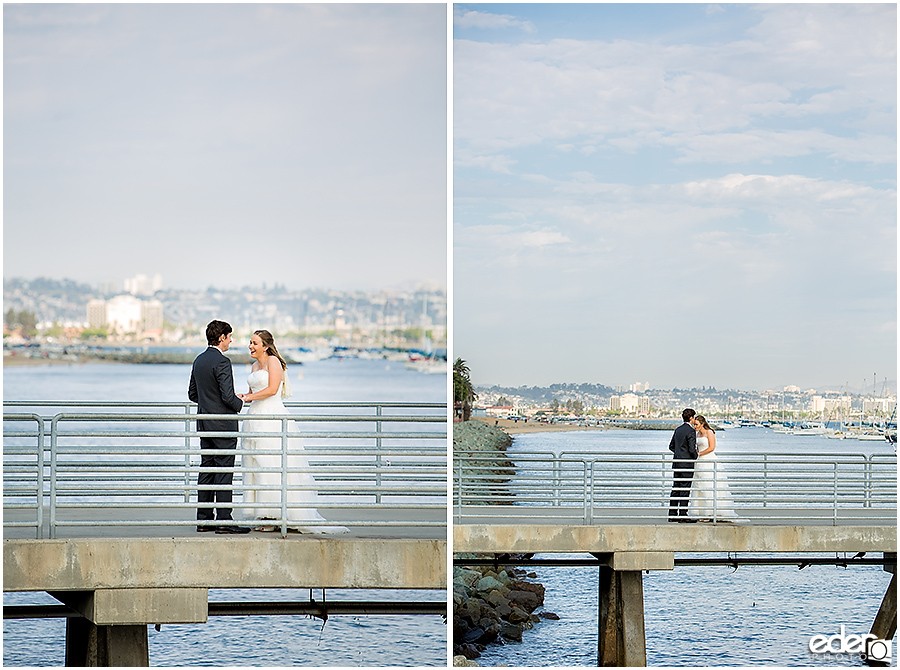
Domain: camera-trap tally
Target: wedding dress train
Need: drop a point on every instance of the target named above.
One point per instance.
(710, 497)
(301, 504)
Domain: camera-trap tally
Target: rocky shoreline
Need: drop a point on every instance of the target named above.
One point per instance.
(490, 605)
(493, 606)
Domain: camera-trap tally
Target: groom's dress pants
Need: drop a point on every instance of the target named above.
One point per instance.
(215, 478)
(682, 474)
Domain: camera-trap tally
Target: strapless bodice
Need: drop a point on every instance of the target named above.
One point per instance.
(258, 380)
(703, 444)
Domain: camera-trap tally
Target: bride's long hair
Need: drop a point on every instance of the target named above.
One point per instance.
(269, 343)
(703, 422)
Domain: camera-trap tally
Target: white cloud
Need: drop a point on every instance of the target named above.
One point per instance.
(485, 20)
(709, 102)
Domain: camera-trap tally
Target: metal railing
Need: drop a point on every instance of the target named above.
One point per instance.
(581, 488)
(136, 464)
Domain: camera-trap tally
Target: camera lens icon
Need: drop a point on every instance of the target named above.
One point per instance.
(878, 650)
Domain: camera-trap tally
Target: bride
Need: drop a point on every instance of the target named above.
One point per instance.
(268, 385)
(710, 496)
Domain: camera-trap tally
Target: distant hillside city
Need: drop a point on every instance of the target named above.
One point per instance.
(596, 401)
(140, 310)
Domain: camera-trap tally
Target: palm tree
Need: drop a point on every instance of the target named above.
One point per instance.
(463, 391)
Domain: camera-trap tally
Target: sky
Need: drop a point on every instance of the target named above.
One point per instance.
(681, 194)
(226, 144)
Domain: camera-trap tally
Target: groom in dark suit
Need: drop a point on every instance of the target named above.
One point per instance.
(212, 388)
(683, 445)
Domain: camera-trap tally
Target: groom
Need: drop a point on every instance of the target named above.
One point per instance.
(683, 445)
(212, 388)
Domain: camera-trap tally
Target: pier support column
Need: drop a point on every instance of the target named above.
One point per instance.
(621, 623)
(112, 630)
(621, 638)
(89, 645)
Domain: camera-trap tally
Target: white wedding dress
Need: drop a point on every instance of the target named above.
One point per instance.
(301, 511)
(710, 497)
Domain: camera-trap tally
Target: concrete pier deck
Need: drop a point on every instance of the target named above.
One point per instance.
(87, 564)
(671, 537)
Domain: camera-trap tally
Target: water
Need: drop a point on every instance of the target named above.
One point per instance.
(705, 616)
(273, 641)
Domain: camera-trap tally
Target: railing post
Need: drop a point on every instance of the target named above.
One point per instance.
(715, 505)
(835, 490)
(40, 477)
(187, 455)
(459, 480)
(54, 438)
(378, 425)
(556, 482)
(868, 478)
(284, 476)
(588, 478)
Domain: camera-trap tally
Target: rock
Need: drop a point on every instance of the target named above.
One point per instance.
(537, 589)
(487, 584)
(504, 578)
(470, 610)
(491, 630)
(496, 598)
(466, 577)
(503, 610)
(532, 575)
(473, 635)
(549, 615)
(461, 661)
(518, 616)
(511, 632)
(527, 600)
(469, 651)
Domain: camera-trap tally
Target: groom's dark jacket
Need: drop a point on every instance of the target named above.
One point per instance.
(212, 388)
(684, 442)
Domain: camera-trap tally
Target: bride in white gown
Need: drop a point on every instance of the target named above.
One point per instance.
(268, 385)
(710, 496)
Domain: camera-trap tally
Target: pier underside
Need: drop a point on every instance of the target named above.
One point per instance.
(116, 587)
(623, 552)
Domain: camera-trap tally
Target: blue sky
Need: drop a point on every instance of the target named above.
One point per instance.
(686, 195)
(226, 144)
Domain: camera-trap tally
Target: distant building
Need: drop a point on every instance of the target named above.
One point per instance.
(126, 314)
(499, 410)
(629, 404)
(819, 404)
(143, 285)
(639, 387)
(879, 405)
(96, 314)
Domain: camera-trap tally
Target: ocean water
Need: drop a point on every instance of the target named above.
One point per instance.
(705, 616)
(257, 641)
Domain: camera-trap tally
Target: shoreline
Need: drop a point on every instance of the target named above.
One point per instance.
(511, 427)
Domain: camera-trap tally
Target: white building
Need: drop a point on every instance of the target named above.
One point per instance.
(639, 387)
(819, 404)
(143, 285)
(629, 403)
(879, 405)
(126, 314)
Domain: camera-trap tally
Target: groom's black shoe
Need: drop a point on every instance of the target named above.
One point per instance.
(686, 519)
(232, 530)
(206, 529)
